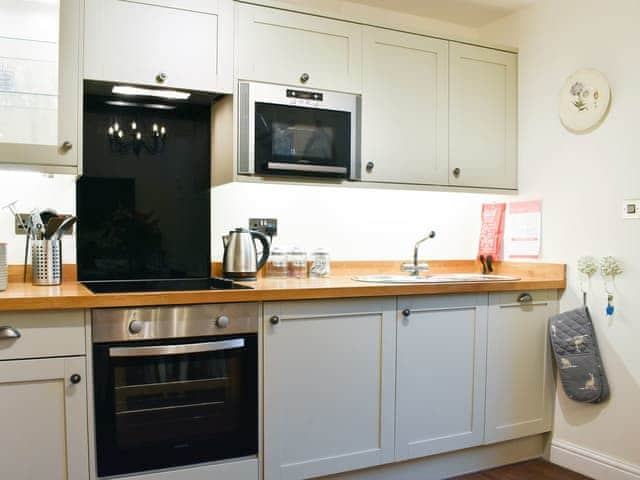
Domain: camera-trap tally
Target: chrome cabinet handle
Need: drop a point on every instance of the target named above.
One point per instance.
(8, 333)
(525, 298)
(222, 321)
(66, 146)
(161, 77)
(275, 320)
(75, 379)
(456, 172)
(304, 78)
(370, 166)
(406, 312)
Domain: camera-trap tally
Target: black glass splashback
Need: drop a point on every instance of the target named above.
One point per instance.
(144, 203)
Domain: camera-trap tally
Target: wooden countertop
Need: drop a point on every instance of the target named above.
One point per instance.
(73, 295)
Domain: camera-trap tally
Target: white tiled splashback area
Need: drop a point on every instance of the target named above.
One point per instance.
(353, 223)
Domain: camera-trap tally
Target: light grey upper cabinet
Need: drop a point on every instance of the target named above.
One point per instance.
(328, 386)
(184, 44)
(441, 371)
(483, 117)
(40, 86)
(520, 386)
(296, 49)
(404, 108)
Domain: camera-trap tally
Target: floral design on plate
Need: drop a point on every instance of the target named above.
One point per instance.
(584, 100)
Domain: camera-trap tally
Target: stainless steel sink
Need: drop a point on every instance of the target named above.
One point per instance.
(437, 278)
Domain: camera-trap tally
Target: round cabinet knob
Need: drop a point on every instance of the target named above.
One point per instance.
(75, 379)
(370, 166)
(136, 326)
(406, 312)
(66, 146)
(275, 320)
(456, 172)
(525, 298)
(161, 77)
(222, 321)
(304, 78)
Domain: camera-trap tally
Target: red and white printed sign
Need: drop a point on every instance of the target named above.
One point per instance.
(524, 223)
(491, 230)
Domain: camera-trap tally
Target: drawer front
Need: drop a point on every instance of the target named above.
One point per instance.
(41, 334)
(523, 297)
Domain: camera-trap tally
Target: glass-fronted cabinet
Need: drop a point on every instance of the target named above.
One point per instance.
(40, 84)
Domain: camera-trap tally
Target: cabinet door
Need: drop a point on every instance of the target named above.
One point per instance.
(190, 43)
(404, 108)
(483, 117)
(280, 47)
(40, 84)
(328, 386)
(520, 386)
(440, 374)
(44, 419)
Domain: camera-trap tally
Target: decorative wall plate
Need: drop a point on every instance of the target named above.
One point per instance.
(584, 100)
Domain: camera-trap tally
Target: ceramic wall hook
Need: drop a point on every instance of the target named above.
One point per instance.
(587, 266)
(610, 268)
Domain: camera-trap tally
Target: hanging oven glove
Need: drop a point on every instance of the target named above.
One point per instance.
(577, 355)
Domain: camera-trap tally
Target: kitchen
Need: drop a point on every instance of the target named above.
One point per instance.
(368, 225)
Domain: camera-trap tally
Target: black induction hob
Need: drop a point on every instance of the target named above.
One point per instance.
(170, 285)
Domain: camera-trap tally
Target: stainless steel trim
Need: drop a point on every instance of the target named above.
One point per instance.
(356, 144)
(180, 321)
(9, 333)
(155, 350)
(245, 144)
(302, 167)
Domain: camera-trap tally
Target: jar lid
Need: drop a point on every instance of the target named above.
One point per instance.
(320, 251)
(297, 251)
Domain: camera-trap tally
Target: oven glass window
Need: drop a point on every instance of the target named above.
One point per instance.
(167, 410)
(292, 138)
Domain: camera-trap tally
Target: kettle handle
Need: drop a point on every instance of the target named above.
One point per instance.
(266, 248)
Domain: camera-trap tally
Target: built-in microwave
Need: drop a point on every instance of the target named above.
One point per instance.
(296, 131)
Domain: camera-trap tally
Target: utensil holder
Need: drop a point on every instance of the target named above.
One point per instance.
(46, 262)
(4, 269)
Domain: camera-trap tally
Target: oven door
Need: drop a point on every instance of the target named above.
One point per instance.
(163, 403)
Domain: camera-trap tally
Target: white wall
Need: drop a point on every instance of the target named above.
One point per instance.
(582, 180)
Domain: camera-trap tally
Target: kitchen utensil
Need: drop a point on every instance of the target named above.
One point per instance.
(241, 256)
(61, 227)
(52, 226)
(47, 214)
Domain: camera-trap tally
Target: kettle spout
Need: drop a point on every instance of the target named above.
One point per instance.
(225, 240)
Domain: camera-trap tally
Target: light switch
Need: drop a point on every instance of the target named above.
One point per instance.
(631, 209)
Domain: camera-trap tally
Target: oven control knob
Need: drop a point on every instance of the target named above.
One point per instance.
(222, 321)
(136, 326)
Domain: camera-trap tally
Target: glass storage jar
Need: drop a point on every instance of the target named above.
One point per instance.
(277, 264)
(297, 262)
(320, 263)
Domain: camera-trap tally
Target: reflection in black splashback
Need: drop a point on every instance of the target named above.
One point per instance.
(144, 213)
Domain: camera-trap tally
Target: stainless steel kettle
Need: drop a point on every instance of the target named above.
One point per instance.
(240, 260)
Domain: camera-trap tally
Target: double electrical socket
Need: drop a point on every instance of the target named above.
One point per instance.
(268, 226)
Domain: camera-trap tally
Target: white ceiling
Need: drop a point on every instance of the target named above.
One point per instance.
(471, 13)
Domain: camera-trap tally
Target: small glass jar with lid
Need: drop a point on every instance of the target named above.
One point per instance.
(320, 263)
(277, 264)
(297, 263)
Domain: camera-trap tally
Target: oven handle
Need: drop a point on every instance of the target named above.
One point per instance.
(305, 167)
(156, 350)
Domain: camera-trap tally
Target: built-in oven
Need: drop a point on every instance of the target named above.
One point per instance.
(294, 131)
(174, 386)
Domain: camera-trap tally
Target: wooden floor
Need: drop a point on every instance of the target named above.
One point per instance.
(533, 470)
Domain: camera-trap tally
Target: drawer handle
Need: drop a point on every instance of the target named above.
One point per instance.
(8, 333)
(275, 320)
(161, 77)
(406, 312)
(525, 298)
(75, 379)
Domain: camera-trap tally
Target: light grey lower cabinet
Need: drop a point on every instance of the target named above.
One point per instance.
(441, 355)
(520, 384)
(329, 383)
(44, 419)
